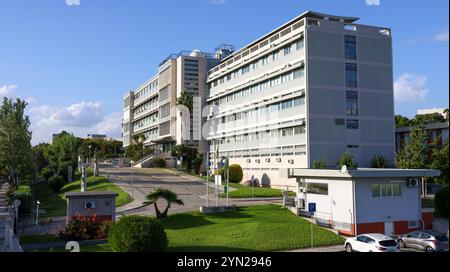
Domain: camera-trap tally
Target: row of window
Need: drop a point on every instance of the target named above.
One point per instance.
(299, 45)
(264, 135)
(151, 104)
(147, 121)
(261, 111)
(259, 87)
(386, 190)
(151, 135)
(146, 91)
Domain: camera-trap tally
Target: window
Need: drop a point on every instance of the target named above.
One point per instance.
(222, 80)
(228, 77)
(299, 101)
(299, 73)
(350, 47)
(352, 124)
(339, 122)
(300, 44)
(299, 130)
(264, 61)
(245, 69)
(352, 103)
(413, 224)
(287, 50)
(287, 132)
(255, 65)
(317, 188)
(276, 56)
(351, 78)
(286, 104)
(386, 190)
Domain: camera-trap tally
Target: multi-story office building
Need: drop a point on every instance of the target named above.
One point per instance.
(310, 90)
(152, 109)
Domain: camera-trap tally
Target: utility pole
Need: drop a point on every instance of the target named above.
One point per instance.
(207, 177)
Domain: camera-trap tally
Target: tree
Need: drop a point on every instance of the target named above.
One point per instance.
(414, 153)
(137, 150)
(379, 162)
(65, 149)
(322, 164)
(440, 161)
(347, 160)
(187, 155)
(402, 121)
(186, 99)
(167, 195)
(39, 156)
(15, 139)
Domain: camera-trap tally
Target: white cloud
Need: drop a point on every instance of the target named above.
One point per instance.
(217, 2)
(441, 37)
(411, 88)
(80, 119)
(373, 2)
(8, 90)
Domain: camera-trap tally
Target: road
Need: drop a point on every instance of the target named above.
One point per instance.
(140, 182)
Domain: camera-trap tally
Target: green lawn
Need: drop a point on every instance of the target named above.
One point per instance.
(254, 228)
(38, 239)
(55, 204)
(247, 192)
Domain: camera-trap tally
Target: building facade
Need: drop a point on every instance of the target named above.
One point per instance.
(437, 133)
(151, 110)
(310, 90)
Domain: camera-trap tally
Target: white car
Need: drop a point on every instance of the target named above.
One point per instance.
(373, 242)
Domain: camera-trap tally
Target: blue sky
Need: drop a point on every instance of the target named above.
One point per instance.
(74, 63)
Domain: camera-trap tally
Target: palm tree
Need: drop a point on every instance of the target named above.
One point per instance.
(186, 99)
(169, 196)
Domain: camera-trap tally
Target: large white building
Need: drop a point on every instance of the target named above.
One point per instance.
(152, 108)
(310, 90)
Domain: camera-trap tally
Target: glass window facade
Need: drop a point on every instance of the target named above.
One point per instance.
(350, 47)
(352, 103)
(351, 75)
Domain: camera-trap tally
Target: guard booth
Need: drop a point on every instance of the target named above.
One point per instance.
(362, 201)
(100, 204)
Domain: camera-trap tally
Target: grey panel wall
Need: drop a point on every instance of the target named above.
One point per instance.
(323, 72)
(376, 104)
(330, 153)
(326, 101)
(375, 77)
(325, 129)
(375, 49)
(368, 152)
(377, 131)
(325, 44)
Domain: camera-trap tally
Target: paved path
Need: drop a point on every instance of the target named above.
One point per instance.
(190, 189)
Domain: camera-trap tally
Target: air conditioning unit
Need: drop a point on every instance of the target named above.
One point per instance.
(257, 161)
(301, 204)
(267, 160)
(89, 205)
(291, 161)
(249, 160)
(278, 159)
(303, 190)
(413, 182)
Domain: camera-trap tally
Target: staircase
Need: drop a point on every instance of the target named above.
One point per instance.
(141, 162)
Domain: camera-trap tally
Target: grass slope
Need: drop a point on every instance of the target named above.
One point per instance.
(56, 205)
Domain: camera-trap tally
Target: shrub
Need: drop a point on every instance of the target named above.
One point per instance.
(379, 162)
(47, 173)
(322, 164)
(56, 183)
(347, 160)
(24, 194)
(441, 202)
(81, 228)
(236, 173)
(137, 234)
(155, 163)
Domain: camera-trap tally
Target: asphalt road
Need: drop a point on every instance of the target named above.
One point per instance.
(140, 182)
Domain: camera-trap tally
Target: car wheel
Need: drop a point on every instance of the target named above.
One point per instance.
(348, 248)
(429, 249)
(402, 244)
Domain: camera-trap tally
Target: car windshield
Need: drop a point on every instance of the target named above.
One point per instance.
(388, 243)
(442, 238)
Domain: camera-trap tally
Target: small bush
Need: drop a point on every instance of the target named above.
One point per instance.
(322, 164)
(236, 173)
(82, 228)
(47, 173)
(155, 163)
(347, 160)
(441, 202)
(137, 234)
(24, 194)
(379, 162)
(56, 183)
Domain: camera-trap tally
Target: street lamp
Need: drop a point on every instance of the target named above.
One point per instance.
(132, 180)
(37, 212)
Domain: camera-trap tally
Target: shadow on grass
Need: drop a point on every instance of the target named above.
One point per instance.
(185, 221)
(76, 185)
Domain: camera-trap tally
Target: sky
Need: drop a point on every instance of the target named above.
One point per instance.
(73, 60)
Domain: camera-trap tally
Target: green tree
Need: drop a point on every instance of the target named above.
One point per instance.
(347, 160)
(137, 150)
(188, 156)
(414, 153)
(186, 99)
(65, 149)
(15, 139)
(379, 162)
(402, 121)
(428, 119)
(440, 161)
(39, 156)
(321, 164)
(164, 194)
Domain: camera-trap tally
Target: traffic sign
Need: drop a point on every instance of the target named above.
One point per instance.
(312, 207)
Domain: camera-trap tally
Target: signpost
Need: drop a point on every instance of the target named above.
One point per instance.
(312, 210)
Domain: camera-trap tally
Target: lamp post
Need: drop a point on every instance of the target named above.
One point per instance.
(132, 180)
(37, 212)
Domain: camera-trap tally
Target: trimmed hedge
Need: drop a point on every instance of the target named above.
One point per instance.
(441, 202)
(56, 183)
(236, 173)
(137, 234)
(155, 163)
